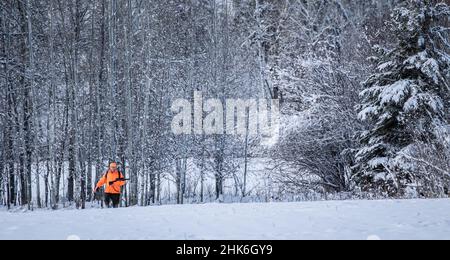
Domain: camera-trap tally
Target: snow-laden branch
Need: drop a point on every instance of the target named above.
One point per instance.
(446, 173)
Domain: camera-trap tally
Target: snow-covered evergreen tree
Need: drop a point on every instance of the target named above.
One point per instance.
(405, 101)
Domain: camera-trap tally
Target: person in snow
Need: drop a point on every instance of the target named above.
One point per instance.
(113, 180)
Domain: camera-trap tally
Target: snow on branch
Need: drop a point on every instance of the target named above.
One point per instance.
(445, 172)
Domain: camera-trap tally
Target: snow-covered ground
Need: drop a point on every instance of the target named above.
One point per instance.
(407, 219)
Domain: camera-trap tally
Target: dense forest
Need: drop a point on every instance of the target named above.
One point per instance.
(363, 88)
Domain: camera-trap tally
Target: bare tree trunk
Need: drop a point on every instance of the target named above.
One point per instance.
(102, 84)
(152, 177)
(128, 29)
(38, 185)
(9, 117)
(112, 80)
(178, 179)
(219, 140)
(144, 144)
(25, 151)
(202, 179)
(50, 174)
(181, 167)
(158, 188)
(29, 96)
(143, 189)
(92, 104)
(183, 185)
(46, 183)
(244, 185)
(82, 173)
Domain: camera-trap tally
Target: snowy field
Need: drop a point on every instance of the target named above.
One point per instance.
(409, 219)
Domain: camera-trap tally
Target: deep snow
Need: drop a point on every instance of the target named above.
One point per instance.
(391, 219)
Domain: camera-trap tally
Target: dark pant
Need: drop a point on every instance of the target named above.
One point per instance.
(114, 198)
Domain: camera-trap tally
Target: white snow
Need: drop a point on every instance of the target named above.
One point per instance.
(377, 161)
(431, 69)
(395, 93)
(412, 103)
(367, 112)
(385, 65)
(433, 103)
(373, 220)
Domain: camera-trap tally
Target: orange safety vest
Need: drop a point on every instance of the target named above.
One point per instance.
(111, 177)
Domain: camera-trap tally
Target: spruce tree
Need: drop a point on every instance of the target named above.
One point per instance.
(405, 100)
